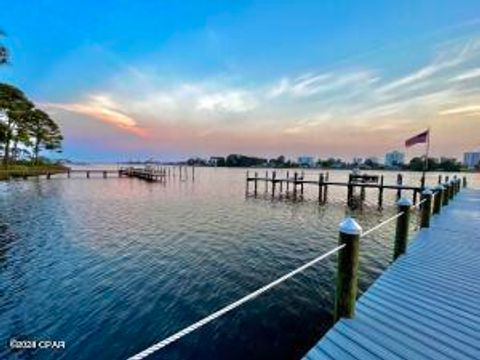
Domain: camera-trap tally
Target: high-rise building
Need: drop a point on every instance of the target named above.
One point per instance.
(394, 158)
(306, 161)
(471, 159)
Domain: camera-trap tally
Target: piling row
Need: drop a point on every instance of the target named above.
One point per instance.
(351, 233)
(294, 186)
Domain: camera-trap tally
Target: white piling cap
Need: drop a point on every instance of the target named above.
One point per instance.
(404, 202)
(427, 192)
(350, 226)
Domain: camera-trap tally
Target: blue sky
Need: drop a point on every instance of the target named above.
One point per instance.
(171, 79)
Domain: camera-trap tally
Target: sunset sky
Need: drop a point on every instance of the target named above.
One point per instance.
(174, 79)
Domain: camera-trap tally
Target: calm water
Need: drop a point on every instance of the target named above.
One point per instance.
(113, 266)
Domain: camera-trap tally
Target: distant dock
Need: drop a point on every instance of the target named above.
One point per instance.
(147, 173)
(294, 186)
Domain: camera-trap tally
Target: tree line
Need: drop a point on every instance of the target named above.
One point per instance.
(238, 160)
(24, 129)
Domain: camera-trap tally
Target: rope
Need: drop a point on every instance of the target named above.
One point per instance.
(381, 224)
(418, 205)
(149, 351)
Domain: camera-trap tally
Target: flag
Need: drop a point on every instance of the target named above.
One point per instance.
(418, 139)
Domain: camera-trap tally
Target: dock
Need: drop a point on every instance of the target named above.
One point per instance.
(426, 305)
(147, 173)
(293, 186)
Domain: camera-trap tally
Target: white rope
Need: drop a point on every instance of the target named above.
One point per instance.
(381, 224)
(149, 351)
(420, 203)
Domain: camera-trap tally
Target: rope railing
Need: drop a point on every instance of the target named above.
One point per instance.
(376, 227)
(350, 234)
(180, 334)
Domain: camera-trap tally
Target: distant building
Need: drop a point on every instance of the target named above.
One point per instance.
(216, 161)
(394, 158)
(471, 159)
(357, 160)
(306, 161)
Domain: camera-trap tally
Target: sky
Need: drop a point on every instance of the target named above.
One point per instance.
(174, 79)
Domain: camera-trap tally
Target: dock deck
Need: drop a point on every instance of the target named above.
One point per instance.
(427, 304)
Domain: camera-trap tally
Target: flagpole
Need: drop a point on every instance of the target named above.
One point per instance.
(425, 166)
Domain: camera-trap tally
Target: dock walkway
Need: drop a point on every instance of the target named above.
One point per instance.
(427, 304)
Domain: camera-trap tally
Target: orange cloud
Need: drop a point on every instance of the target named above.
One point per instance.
(103, 109)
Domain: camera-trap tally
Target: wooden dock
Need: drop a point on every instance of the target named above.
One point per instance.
(294, 186)
(427, 304)
(151, 174)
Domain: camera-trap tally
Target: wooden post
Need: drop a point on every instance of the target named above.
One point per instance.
(274, 175)
(446, 195)
(325, 187)
(255, 184)
(439, 179)
(104, 174)
(450, 190)
(68, 173)
(438, 199)
(399, 182)
(426, 208)
(347, 269)
(380, 193)
(464, 181)
(414, 196)
(288, 181)
(295, 176)
(49, 175)
(320, 188)
(301, 184)
(246, 187)
(88, 174)
(266, 181)
(349, 191)
(401, 231)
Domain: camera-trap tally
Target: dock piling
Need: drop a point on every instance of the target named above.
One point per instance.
(464, 181)
(255, 184)
(426, 208)
(438, 199)
(347, 269)
(274, 175)
(320, 188)
(401, 231)
(380, 193)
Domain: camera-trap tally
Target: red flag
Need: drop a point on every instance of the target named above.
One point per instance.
(418, 139)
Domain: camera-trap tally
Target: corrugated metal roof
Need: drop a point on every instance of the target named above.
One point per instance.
(427, 304)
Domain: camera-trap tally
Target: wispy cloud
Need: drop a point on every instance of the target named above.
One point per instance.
(311, 107)
(230, 101)
(101, 107)
(467, 75)
(468, 109)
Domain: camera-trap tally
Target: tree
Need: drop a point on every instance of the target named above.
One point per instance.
(14, 106)
(44, 132)
(3, 52)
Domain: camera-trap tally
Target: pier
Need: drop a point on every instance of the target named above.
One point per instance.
(293, 186)
(147, 173)
(426, 305)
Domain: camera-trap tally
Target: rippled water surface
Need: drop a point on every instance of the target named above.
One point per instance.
(112, 266)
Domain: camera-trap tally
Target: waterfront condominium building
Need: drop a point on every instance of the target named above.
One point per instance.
(471, 159)
(394, 158)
